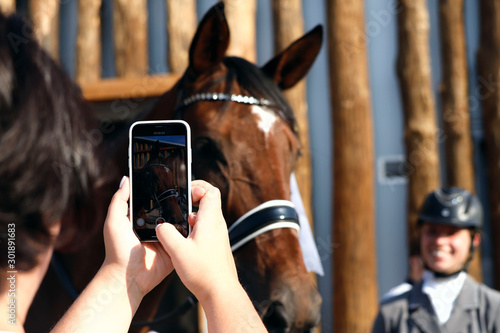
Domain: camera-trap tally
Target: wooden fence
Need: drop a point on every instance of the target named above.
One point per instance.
(141, 155)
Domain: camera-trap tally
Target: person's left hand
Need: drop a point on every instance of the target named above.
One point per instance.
(145, 265)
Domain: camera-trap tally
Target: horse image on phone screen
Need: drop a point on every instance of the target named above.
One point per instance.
(157, 197)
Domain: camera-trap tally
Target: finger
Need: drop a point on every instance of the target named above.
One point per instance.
(210, 202)
(170, 238)
(119, 202)
(160, 251)
(197, 193)
(192, 219)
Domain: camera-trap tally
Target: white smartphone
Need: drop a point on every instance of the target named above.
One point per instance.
(160, 176)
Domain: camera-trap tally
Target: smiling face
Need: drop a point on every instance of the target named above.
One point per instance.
(445, 249)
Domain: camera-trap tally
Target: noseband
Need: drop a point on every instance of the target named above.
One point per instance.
(167, 193)
(274, 214)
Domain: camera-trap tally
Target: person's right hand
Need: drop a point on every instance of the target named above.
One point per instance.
(203, 260)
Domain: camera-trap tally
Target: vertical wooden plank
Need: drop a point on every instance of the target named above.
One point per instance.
(454, 95)
(131, 41)
(489, 93)
(88, 57)
(288, 22)
(355, 300)
(455, 102)
(421, 132)
(241, 19)
(45, 18)
(288, 27)
(181, 28)
(8, 6)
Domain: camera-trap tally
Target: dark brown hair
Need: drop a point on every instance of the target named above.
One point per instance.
(49, 164)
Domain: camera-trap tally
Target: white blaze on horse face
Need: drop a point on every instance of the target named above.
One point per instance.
(267, 119)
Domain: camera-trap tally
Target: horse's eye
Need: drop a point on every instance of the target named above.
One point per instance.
(205, 148)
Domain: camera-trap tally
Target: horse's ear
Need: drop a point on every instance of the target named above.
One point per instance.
(292, 64)
(211, 40)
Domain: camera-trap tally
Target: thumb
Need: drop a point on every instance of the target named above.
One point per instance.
(118, 207)
(170, 238)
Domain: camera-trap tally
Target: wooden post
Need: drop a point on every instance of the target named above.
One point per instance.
(289, 26)
(8, 6)
(131, 41)
(45, 18)
(355, 300)
(241, 19)
(421, 133)
(455, 101)
(488, 92)
(181, 28)
(88, 44)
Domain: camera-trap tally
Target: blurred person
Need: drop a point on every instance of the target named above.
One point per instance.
(50, 168)
(447, 299)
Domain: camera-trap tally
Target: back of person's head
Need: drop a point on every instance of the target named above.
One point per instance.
(452, 206)
(48, 162)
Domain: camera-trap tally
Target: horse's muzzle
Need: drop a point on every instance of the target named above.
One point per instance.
(279, 319)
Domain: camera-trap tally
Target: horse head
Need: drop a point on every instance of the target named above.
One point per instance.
(245, 142)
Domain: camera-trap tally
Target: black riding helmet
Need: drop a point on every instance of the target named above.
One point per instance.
(452, 206)
(455, 207)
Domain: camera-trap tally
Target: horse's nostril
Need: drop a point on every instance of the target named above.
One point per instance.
(276, 319)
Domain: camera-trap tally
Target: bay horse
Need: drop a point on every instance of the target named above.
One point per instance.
(245, 142)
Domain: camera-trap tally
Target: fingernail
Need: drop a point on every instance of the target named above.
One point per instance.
(122, 181)
(204, 190)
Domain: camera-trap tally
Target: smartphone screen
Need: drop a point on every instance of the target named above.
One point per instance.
(160, 172)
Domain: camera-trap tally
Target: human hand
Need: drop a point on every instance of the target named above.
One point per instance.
(203, 260)
(144, 265)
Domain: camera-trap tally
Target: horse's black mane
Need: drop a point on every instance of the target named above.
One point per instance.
(253, 80)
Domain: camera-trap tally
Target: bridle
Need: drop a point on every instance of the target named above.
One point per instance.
(166, 194)
(274, 214)
(170, 193)
(214, 97)
(218, 97)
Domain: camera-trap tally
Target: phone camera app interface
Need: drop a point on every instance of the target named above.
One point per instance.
(159, 182)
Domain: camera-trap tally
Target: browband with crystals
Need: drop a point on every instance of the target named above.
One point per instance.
(224, 97)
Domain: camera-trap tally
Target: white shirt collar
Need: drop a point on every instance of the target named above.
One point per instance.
(443, 292)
